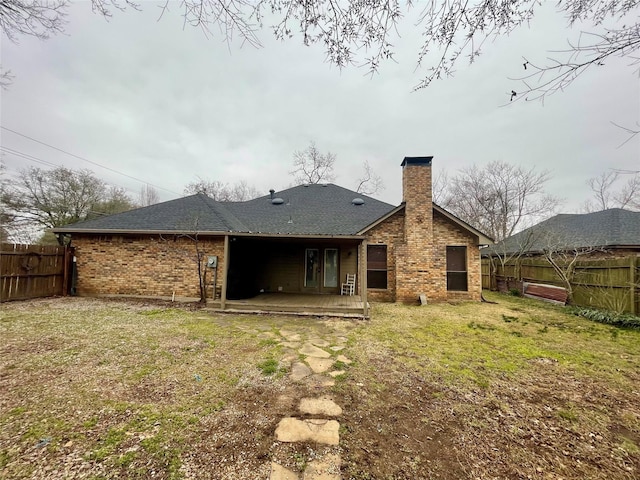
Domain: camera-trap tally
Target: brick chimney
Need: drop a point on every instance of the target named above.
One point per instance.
(416, 256)
(416, 189)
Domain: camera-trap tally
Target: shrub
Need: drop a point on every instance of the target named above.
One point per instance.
(624, 320)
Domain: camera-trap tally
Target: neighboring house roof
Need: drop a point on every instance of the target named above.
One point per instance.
(317, 209)
(611, 228)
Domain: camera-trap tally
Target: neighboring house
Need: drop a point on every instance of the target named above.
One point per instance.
(594, 258)
(301, 240)
(612, 232)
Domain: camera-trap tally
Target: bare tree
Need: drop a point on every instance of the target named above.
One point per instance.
(199, 260)
(6, 215)
(439, 189)
(198, 255)
(311, 166)
(6, 78)
(115, 200)
(563, 256)
(361, 33)
(499, 198)
(591, 50)
(222, 192)
(608, 193)
(52, 198)
(148, 196)
(370, 182)
(42, 199)
(503, 253)
(630, 132)
(242, 191)
(38, 18)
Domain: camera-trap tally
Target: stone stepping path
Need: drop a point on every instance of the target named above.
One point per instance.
(320, 365)
(320, 406)
(311, 350)
(314, 370)
(315, 430)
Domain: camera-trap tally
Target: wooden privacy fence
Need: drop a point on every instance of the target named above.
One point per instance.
(32, 271)
(612, 284)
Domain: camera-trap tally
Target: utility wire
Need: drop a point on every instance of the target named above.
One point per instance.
(26, 156)
(87, 160)
(30, 157)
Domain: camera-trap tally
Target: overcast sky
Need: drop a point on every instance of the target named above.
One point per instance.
(165, 104)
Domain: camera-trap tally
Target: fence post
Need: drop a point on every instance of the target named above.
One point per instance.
(65, 272)
(632, 283)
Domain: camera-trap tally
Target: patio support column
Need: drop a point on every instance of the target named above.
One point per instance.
(225, 273)
(363, 277)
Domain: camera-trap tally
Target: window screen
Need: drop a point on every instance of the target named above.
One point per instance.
(377, 266)
(457, 268)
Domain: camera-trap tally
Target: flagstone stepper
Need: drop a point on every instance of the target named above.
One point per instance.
(312, 430)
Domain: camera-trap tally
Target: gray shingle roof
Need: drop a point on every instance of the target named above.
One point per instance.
(317, 209)
(175, 215)
(608, 228)
(305, 210)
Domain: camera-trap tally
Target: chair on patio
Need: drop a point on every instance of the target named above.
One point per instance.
(349, 287)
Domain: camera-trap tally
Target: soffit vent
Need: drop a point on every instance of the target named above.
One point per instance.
(277, 201)
(357, 201)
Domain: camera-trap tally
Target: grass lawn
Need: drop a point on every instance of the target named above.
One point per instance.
(512, 389)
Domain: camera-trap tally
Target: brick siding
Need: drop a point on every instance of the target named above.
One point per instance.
(447, 233)
(417, 240)
(142, 265)
(389, 233)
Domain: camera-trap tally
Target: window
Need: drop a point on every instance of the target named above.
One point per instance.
(457, 269)
(331, 267)
(377, 266)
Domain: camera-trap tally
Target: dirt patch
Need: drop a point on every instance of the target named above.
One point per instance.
(545, 424)
(392, 429)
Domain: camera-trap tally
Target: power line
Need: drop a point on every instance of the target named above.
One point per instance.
(32, 158)
(87, 160)
(26, 156)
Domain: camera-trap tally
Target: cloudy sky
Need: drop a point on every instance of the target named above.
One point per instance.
(165, 104)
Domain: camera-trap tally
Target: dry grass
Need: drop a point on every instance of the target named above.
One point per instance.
(107, 390)
(513, 389)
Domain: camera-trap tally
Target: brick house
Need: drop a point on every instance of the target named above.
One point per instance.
(301, 240)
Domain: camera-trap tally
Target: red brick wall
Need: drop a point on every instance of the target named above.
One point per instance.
(415, 256)
(417, 241)
(447, 233)
(142, 265)
(389, 233)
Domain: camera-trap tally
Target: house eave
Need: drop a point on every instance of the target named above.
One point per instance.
(102, 231)
(296, 235)
(482, 238)
(381, 219)
(121, 231)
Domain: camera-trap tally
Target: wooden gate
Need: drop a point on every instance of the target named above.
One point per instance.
(32, 271)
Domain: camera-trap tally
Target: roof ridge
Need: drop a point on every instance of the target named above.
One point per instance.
(232, 222)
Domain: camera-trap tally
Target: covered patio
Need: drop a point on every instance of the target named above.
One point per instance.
(348, 306)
